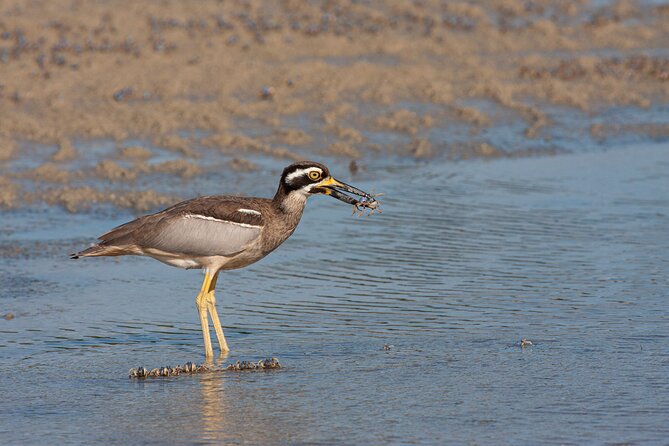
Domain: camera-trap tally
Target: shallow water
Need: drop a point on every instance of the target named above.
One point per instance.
(570, 251)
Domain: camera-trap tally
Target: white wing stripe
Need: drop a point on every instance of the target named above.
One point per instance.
(205, 217)
(248, 211)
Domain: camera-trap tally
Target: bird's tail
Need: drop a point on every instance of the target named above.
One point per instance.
(100, 251)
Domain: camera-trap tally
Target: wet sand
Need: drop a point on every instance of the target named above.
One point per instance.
(234, 81)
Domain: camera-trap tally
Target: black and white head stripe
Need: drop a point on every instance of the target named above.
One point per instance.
(296, 174)
(304, 174)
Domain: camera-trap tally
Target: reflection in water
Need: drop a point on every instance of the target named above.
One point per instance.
(240, 407)
(217, 424)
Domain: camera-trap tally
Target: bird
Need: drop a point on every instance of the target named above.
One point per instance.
(221, 232)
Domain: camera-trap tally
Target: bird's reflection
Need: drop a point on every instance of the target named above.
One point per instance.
(217, 424)
(230, 410)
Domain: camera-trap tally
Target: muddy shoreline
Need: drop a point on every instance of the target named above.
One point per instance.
(294, 80)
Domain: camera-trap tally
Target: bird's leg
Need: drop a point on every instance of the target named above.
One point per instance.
(211, 306)
(201, 303)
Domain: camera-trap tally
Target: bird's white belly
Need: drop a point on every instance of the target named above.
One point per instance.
(187, 262)
(180, 263)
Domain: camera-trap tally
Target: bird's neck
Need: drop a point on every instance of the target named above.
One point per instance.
(291, 204)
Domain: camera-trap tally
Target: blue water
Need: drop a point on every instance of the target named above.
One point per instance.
(569, 251)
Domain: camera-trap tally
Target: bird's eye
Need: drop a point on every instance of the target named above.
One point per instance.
(315, 175)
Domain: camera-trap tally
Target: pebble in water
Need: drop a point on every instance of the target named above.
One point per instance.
(525, 343)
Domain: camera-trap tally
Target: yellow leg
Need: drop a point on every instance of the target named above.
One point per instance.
(201, 303)
(211, 306)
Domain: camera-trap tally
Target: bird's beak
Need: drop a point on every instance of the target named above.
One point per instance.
(334, 188)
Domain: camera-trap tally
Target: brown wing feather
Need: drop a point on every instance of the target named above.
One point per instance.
(145, 230)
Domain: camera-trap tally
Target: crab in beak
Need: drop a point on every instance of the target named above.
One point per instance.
(335, 188)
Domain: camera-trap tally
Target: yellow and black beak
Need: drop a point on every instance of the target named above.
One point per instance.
(335, 188)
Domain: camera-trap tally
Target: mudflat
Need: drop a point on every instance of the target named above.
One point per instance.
(226, 80)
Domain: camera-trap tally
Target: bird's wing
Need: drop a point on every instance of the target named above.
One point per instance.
(204, 226)
(200, 235)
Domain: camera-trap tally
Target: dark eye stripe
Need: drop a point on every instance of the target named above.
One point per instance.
(291, 181)
(299, 183)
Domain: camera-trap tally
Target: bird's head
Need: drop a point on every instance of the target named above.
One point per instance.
(308, 178)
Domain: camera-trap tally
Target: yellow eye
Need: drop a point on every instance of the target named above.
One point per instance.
(315, 175)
